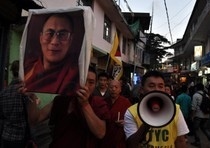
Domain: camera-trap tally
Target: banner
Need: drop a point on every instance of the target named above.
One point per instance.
(115, 67)
(198, 52)
(55, 49)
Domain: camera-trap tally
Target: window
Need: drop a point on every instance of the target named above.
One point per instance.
(107, 29)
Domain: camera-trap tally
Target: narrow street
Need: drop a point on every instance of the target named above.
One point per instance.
(205, 143)
(43, 133)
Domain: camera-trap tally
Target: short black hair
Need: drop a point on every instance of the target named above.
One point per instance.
(184, 88)
(152, 73)
(92, 69)
(103, 74)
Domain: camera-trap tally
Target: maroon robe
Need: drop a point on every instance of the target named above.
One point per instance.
(62, 79)
(115, 136)
(71, 130)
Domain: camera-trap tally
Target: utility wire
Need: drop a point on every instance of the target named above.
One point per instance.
(184, 19)
(172, 18)
(151, 22)
(129, 8)
(168, 21)
(181, 21)
(181, 10)
(120, 5)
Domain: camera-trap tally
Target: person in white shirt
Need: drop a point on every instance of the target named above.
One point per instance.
(171, 135)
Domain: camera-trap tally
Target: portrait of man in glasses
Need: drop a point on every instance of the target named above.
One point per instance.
(52, 65)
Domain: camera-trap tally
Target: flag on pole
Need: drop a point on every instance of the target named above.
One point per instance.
(115, 62)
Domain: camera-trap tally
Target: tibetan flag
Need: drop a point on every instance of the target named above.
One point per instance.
(115, 63)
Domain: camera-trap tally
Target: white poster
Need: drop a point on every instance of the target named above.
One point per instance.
(55, 49)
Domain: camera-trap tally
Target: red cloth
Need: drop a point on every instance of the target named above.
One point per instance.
(115, 136)
(71, 130)
(62, 79)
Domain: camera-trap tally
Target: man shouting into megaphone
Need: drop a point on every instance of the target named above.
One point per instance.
(143, 122)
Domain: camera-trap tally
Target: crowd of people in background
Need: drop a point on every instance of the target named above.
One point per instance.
(104, 113)
(189, 98)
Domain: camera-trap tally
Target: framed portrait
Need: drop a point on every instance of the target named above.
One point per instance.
(55, 49)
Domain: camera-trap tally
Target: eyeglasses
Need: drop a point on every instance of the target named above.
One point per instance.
(61, 35)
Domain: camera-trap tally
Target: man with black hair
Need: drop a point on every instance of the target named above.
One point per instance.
(77, 120)
(12, 113)
(168, 90)
(102, 87)
(199, 118)
(126, 89)
(171, 135)
(184, 101)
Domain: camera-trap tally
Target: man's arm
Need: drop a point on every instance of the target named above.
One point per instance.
(96, 125)
(180, 142)
(134, 134)
(194, 105)
(36, 115)
(182, 130)
(138, 137)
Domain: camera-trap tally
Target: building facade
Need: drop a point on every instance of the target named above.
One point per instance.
(109, 20)
(191, 62)
(10, 14)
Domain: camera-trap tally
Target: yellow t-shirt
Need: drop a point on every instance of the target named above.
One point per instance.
(163, 137)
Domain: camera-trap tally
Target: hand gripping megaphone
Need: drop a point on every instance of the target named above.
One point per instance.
(157, 109)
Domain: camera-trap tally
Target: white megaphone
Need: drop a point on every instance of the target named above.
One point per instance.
(157, 109)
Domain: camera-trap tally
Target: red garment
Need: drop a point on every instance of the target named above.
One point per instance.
(71, 130)
(62, 79)
(115, 136)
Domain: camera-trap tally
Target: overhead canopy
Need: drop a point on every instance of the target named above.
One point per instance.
(10, 10)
